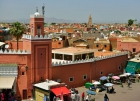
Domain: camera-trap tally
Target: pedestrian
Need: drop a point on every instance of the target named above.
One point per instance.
(57, 98)
(128, 82)
(12, 98)
(73, 96)
(87, 97)
(78, 97)
(83, 96)
(2, 97)
(106, 98)
(54, 98)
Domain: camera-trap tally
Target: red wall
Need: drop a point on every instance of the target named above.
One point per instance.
(91, 69)
(130, 45)
(22, 61)
(13, 45)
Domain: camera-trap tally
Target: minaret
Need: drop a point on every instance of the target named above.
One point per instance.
(37, 24)
(90, 21)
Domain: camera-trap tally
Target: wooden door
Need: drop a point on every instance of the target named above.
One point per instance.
(24, 94)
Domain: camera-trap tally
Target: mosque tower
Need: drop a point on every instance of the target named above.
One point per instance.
(90, 21)
(37, 24)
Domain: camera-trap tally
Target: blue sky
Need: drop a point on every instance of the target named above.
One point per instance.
(106, 11)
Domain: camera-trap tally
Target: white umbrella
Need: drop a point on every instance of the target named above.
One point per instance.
(108, 84)
(127, 74)
(96, 83)
(122, 75)
(2, 43)
(138, 74)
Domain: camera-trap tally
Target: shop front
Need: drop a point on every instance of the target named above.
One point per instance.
(50, 90)
(8, 76)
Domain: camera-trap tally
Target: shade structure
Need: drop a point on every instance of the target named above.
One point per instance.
(96, 83)
(6, 82)
(2, 43)
(122, 75)
(91, 92)
(127, 74)
(103, 78)
(60, 90)
(138, 74)
(108, 84)
(116, 77)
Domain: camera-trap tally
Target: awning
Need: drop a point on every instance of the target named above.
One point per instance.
(10, 70)
(59, 90)
(6, 82)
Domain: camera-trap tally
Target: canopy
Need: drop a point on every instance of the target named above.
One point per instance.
(2, 43)
(127, 74)
(108, 84)
(96, 83)
(116, 77)
(91, 92)
(103, 78)
(59, 90)
(6, 82)
(122, 75)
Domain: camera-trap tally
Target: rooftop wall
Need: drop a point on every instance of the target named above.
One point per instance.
(36, 16)
(9, 51)
(88, 60)
(28, 36)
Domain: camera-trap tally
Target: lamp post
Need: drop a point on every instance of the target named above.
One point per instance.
(26, 68)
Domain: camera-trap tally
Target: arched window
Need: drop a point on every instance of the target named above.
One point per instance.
(38, 30)
(32, 30)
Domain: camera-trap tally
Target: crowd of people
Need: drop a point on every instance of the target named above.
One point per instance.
(75, 96)
(7, 95)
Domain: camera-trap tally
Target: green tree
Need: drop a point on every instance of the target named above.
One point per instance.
(138, 71)
(130, 22)
(17, 30)
(53, 23)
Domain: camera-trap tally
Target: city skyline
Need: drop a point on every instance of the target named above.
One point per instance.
(110, 11)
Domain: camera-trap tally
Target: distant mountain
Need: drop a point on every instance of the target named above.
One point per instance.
(49, 20)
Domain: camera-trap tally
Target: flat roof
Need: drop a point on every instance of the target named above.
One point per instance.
(106, 53)
(46, 85)
(102, 41)
(129, 40)
(73, 51)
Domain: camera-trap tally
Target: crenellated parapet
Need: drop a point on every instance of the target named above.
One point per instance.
(9, 51)
(28, 36)
(36, 16)
(88, 60)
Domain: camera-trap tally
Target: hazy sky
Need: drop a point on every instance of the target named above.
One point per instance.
(106, 11)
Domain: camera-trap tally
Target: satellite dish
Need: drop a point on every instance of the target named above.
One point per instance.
(6, 46)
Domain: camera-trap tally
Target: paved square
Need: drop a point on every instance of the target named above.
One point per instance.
(122, 93)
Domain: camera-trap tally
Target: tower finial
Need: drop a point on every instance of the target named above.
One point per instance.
(43, 11)
(36, 9)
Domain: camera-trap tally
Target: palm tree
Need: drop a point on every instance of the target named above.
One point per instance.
(17, 30)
